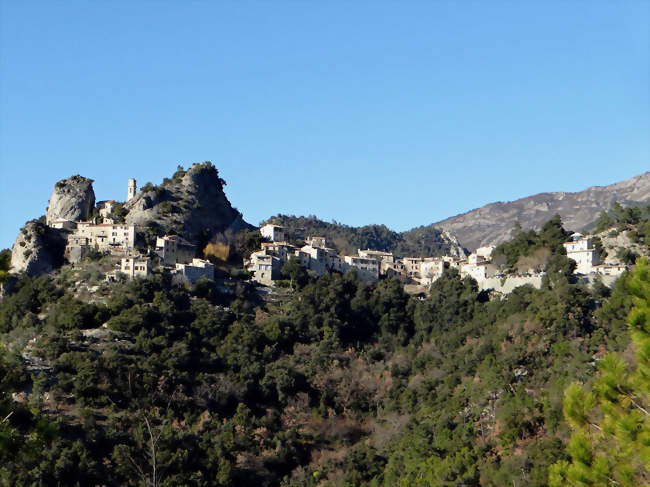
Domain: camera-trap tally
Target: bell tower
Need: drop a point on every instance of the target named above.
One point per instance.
(132, 189)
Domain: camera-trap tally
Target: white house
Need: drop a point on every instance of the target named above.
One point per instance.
(265, 266)
(376, 254)
(610, 269)
(581, 251)
(476, 271)
(135, 267)
(280, 249)
(316, 242)
(475, 259)
(318, 258)
(412, 267)
(196, 270)
(105, 207)
(275, 233)
(64, 225)
(485, 252)
(431, 270)
(367, 269)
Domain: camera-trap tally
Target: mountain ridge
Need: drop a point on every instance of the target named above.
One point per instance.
(492, 224)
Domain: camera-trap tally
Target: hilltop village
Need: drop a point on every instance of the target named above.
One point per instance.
(86, 229)
(178, 256)
(104, 235)
(370, 265)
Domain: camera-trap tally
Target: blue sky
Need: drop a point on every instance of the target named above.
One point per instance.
(402, 113)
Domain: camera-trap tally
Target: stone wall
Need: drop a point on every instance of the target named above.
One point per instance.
(507, 285)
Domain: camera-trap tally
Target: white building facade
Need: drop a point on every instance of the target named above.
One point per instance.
(367, 269)
(580, 250)
(275, 233)
(134, 267)
(431, 270)
(196, 270)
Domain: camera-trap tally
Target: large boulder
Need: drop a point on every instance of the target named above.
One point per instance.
(192, 204)
(38, 249)
(72, 199)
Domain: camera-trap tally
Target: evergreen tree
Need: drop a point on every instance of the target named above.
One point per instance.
(5, 264)
(610, 444)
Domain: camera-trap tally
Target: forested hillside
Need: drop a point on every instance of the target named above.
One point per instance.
(341, 383)
(418, 242)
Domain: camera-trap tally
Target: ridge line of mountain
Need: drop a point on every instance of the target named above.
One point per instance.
(492, 223)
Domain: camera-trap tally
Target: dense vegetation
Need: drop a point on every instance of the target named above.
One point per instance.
(418, 242)
(341, 383)
(5, 264)
(622, 217)
(530, 248)
(633, 219)
(610, 444)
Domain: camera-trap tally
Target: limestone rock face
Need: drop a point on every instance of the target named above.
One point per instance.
(38, 249)
(72, 199)
(192, 204)
(455, 248)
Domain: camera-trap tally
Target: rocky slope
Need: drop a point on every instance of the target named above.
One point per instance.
(493, 223)
(72, 199)
(38, 249)
(191, 204)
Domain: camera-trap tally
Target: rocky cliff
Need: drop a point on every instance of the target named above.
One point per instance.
(493, 223)
(192, 204)
(72, 199)
(38, 249)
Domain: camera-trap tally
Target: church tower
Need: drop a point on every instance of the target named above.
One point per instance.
(133, 188)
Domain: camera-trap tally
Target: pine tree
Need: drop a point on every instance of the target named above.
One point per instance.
(5, 264)
(610, 443)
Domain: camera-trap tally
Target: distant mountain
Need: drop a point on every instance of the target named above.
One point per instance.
(418, 242)
(493, 223)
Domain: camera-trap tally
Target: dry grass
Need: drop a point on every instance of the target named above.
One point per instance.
(216, 251)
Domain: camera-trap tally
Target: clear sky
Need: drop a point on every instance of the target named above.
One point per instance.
(402, 113)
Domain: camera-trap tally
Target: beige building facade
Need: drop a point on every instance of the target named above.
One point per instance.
(103, 236)
(195, 270)
(173, 249)
(265, 266)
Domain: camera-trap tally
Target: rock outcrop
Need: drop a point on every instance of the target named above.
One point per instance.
(493, 223)
(192, 204)
(38, 249)
(72, 199)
